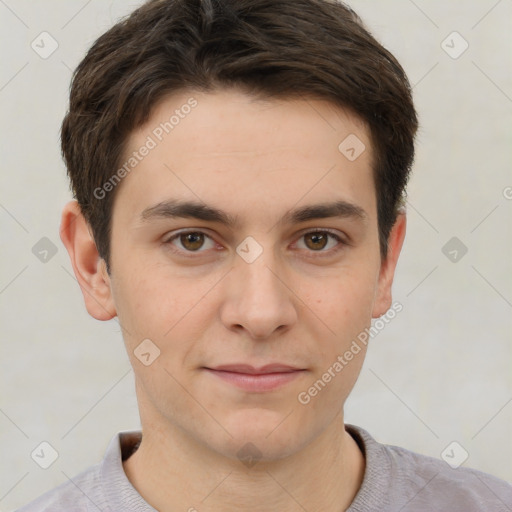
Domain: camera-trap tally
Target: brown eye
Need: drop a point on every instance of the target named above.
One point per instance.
(192, 241)
(185, 243)
(323, 242)
(316, 240)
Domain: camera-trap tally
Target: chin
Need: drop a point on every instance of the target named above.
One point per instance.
(270, 435)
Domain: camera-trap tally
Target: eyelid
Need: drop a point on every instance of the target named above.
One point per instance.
(334, 232)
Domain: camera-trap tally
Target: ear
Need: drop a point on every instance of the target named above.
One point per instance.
(90, 269)
(387, 269)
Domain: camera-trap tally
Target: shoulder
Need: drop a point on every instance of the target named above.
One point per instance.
(399, 479)
(426, 481)
(80, 493)
(103, 486)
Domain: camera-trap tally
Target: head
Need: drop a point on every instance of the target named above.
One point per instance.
(291, 129)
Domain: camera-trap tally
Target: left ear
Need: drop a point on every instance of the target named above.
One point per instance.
(387, 269)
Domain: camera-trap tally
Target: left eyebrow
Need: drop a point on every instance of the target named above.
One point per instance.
(192, 209)
(341, 209)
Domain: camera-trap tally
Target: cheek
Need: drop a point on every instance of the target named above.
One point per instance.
(344, 307)
(143, 304)
(167, 309)
(344, 303)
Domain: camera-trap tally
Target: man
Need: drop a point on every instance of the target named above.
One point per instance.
(239, 168)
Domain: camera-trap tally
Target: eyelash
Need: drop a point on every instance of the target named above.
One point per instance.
(321, 253)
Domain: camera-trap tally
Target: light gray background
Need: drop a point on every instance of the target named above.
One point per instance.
(441, 371)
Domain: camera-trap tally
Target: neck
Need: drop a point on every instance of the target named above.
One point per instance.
(174, 472)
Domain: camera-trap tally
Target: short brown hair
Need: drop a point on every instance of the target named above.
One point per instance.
(269, 48)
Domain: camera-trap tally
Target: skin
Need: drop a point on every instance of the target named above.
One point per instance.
(301, 302)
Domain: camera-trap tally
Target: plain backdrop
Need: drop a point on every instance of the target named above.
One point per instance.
(439, 372)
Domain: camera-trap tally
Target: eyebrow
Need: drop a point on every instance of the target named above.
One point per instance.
(172, 209)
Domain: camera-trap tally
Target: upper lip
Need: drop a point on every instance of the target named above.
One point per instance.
(248, 369)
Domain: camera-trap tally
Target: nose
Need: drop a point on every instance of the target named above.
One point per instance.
(260, 301)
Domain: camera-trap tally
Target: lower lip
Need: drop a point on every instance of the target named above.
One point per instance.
(257, 383)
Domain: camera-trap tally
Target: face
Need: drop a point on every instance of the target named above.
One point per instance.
(245, 238)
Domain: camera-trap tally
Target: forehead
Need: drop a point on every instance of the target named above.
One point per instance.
(227, 146)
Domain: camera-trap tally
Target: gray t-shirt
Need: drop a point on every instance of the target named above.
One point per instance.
(395, 479)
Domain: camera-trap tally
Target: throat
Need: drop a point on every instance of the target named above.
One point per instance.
(326, 483)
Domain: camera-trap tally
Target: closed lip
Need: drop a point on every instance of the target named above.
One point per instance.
(251, 370)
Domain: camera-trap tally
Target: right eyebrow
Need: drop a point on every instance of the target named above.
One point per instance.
(188, 209)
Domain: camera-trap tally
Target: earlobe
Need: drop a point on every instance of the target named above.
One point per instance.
(88, 266)
(383, 296)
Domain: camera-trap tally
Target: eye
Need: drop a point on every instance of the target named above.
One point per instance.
(191, 241)
(318, 241)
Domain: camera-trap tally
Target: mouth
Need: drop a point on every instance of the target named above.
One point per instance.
(256, 380)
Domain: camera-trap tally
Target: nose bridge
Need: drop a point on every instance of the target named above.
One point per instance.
(260, 301)
(260, 279)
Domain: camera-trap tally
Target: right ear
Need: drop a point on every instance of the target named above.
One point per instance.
(89, 268)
